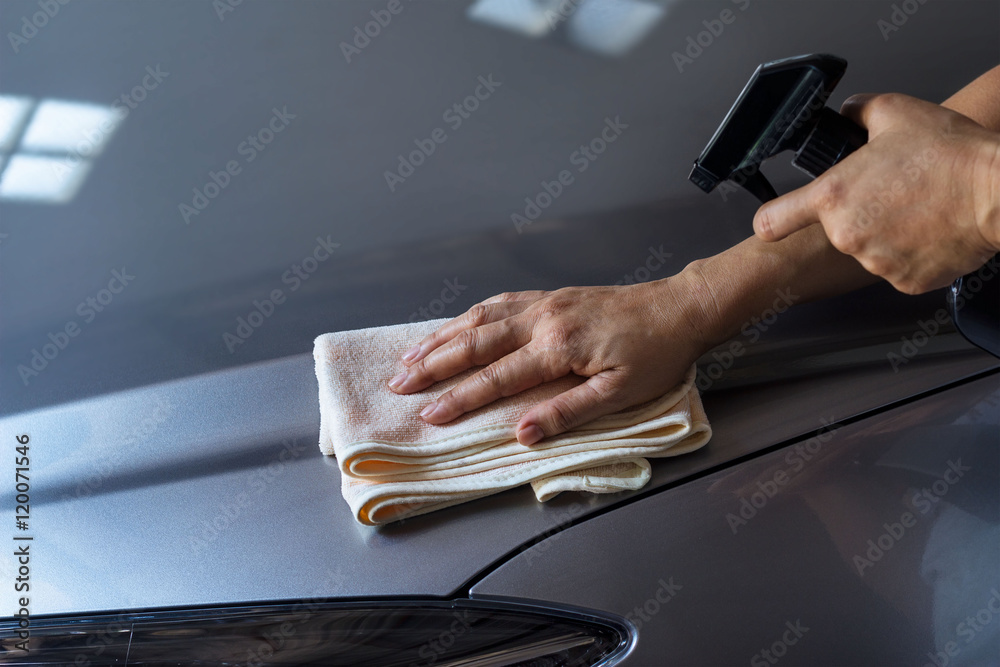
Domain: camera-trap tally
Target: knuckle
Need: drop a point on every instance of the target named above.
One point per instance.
(853, 100)
(556, 304)
(557, 336)
(884, 102)
(882, 107)
(877, 265)
(467, 341)
(490, 377)
(911, 286)
(881, 267)
(828, 193)
(506, 297)
(478, 314)
(552, 366)
(845, 238)
(561, 415)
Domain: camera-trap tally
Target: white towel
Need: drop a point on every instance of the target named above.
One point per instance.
(394, 465)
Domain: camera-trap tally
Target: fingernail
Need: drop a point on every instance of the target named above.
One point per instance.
(429, 410)
(530, 435)
(398, 380)
(412, 353)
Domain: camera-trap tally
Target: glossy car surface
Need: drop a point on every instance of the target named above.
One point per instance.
(175, 468)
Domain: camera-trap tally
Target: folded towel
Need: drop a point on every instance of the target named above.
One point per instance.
(394, 465)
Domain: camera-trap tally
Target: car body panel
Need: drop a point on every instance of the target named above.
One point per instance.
(212, 489)
(876, 543)
(323, 176)
(170, 469)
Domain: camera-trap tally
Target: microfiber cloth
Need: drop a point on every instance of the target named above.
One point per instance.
(394, 465)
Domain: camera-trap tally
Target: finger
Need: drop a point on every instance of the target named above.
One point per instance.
(858, 108)
(530, 295)
(598, 396)
(787, 214)
(877, 113)
(478, 315)
(473, 347)
(520, 370)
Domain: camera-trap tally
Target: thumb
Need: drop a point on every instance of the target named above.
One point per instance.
(596, 397)
(787, 214)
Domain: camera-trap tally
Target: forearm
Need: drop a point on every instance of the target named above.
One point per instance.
(980, 100)
(741, 283)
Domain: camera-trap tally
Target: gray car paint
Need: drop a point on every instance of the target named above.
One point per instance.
(877, 545)
(227, 498)
(323, 176)
(146, 426)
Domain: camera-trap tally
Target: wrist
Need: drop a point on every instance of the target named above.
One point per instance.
(986, 192)
(701, 306)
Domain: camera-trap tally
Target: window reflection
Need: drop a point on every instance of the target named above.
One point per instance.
(606, 27)
(47, 148)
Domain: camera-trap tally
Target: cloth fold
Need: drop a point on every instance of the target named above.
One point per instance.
(394, 465)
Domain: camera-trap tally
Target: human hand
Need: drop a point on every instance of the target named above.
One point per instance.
(919, 205)
(633, 343)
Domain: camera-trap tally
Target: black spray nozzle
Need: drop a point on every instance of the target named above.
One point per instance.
(781, 108)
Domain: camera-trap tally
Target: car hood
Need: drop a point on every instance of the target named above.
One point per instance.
(212, 489)
(172, 466)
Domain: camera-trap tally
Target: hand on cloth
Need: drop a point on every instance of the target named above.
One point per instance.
(633, 343)
(918, 205)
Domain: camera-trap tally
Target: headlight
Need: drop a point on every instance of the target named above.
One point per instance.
(462, 633)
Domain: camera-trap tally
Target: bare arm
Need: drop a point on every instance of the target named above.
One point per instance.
(980, 100)
(635, 342)
(741, 282)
